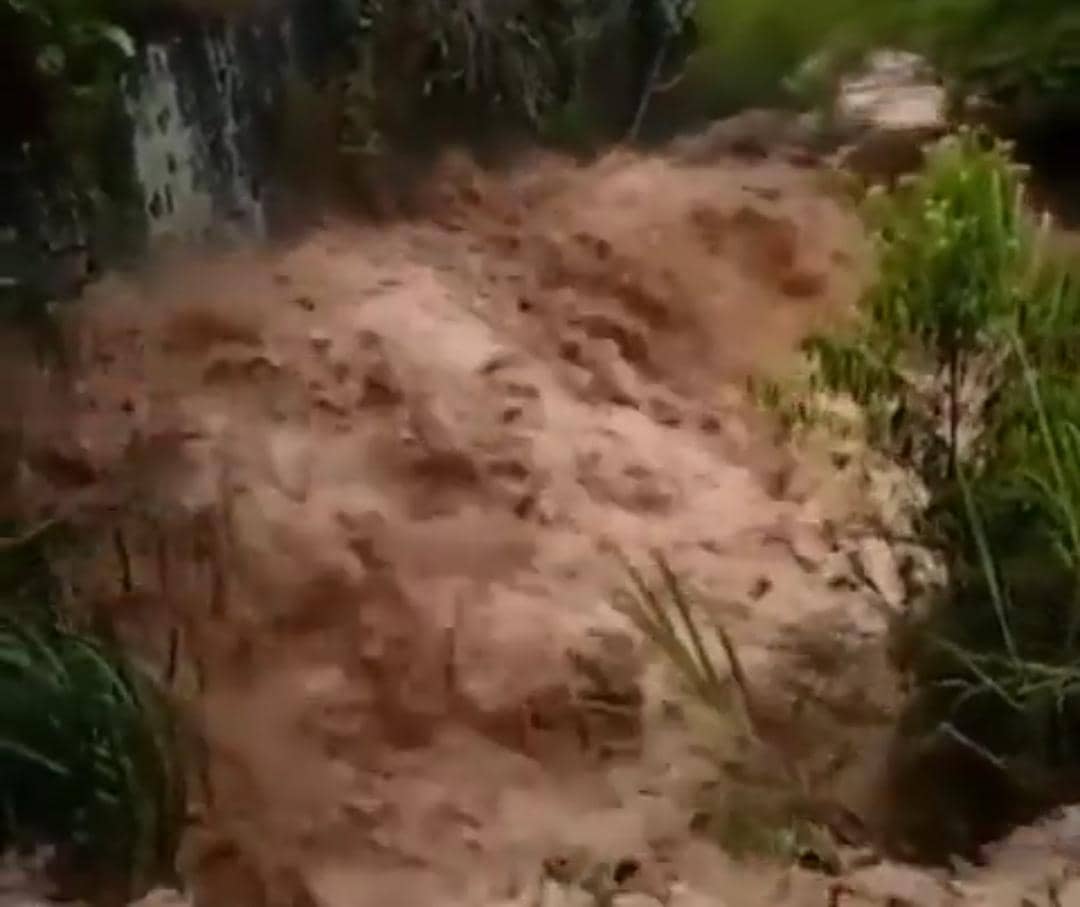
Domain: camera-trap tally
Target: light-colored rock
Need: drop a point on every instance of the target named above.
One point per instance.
(895, 91)
(164, 897)
(685, 896)
(635, 899)
(896, 106)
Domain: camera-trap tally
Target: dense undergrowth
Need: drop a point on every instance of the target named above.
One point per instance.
(965, 359)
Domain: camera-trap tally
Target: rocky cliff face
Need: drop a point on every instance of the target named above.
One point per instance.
(189, 158)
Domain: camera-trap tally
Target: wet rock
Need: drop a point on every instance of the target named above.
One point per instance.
(895, 105)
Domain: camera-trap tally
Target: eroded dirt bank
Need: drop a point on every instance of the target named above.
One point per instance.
(367, 490)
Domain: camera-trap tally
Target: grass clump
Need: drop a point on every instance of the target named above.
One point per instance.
(664, 616)
(88, 760)
(765, 818)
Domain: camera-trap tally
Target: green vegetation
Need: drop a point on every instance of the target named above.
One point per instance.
(964, 356)
(958, 267)
(87, 743)
(84, 756)
(547, 66)
(1023, 57)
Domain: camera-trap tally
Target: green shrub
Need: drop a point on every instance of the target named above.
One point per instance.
(973, 320)
(955, 251)
(999, 669)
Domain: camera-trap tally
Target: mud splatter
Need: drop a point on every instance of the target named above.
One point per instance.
(371, 483)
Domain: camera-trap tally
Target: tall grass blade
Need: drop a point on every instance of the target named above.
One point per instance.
(989, 568)
(678, 598)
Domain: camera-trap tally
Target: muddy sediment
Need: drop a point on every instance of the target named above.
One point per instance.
(367, 490)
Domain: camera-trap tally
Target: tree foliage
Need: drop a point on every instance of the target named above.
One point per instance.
(64, 56)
